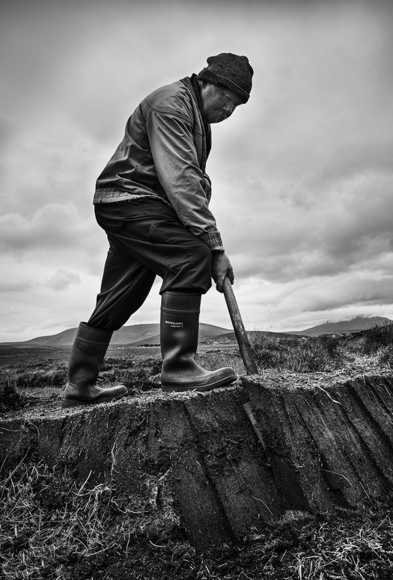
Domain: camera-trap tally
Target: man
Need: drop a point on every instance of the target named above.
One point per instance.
(152, 200)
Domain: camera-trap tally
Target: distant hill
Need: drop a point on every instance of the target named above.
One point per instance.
(229, 337)
(345, 326)
(144, 334)
(135, 335)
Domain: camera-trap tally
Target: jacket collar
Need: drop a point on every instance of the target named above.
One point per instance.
(193, 86)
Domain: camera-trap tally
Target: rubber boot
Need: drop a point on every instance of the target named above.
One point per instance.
(179, 342)
(87, 354)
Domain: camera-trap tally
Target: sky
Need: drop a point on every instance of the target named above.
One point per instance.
(302, 174)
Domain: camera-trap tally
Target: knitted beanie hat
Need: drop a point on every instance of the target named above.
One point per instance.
(231, 71)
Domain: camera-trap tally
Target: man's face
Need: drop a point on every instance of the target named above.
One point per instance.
(218, 103)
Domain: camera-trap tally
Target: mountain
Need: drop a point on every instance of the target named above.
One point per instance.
(135, 335)
(143, 334)
(345, 326)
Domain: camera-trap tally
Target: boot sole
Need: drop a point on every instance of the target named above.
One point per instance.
(80, 402)
(176, 388)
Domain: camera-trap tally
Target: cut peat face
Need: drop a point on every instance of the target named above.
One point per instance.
(218, 470)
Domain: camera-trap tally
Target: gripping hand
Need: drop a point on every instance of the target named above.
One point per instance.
(221, 267)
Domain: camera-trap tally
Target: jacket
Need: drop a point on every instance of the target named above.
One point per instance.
(164, 153)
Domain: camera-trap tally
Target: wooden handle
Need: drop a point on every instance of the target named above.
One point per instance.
(238, 327)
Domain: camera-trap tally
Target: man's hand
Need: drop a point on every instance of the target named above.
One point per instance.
(221, 267)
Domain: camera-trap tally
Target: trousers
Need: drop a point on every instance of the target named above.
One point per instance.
(146, 239)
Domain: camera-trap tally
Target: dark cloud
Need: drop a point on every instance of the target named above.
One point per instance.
(354, 292)
(302, 174)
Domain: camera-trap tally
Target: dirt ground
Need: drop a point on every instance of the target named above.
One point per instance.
(51, 528)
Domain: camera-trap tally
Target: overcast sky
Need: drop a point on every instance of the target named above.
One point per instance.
(302, 174)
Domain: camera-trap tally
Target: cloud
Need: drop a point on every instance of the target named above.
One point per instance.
(302, 175)
(17, 285)
(52, 226)
(17, 330)
(62, 280)
(304, 233)
(358, 291)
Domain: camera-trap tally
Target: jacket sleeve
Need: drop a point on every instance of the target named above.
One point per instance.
(184, 182)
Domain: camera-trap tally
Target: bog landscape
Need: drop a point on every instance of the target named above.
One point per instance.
(286, 474)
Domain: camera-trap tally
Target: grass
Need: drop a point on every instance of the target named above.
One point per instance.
(45, 378)
(378, 338)
(10, 397)
(52, 527)
(215, 359)
(47, 370)
(49, 521)
(298, 355)
(386, 356)
(56, 529)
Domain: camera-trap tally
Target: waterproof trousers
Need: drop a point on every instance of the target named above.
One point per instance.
(146, 239)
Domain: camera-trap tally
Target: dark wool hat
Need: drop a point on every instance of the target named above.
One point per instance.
(231, 71)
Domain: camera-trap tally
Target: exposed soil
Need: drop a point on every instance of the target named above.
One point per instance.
(132, 517)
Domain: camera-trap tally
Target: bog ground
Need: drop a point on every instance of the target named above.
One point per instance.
(190, 486)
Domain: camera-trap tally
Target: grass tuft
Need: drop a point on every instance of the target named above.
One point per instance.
(215, 359)
(304, 355)
(378, 337)
(9, 395)
(42, 378)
